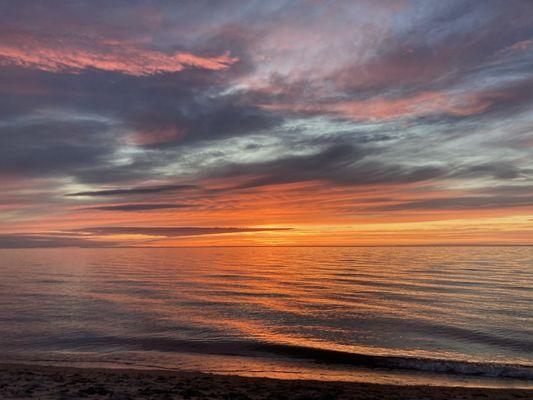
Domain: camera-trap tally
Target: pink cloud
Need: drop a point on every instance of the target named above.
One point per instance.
(523, 45)
(154, 137)
(421, 104)
(117, 57)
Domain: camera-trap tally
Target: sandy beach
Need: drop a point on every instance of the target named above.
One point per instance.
(47, 382)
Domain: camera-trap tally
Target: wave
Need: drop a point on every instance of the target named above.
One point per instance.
(326, 356)
(458, 367)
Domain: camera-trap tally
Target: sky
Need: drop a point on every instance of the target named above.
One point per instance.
(206, 123)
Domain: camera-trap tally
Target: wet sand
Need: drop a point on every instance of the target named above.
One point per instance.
(44, 382)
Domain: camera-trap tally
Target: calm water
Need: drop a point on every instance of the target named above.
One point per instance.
(378, 314)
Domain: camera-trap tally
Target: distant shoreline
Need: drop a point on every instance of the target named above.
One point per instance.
(51, 382)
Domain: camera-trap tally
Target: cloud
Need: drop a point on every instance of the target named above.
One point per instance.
(47, 144)
(499, 170)
(343, 164)
(523, 45)
(89, 237)
(54, 56)
(460, 203)
(139, 207)
(133, 191)
(413, 70)
(421, 104)
(174, 231)
(15, 241)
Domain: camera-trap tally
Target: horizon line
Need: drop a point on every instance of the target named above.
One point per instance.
(268, 246)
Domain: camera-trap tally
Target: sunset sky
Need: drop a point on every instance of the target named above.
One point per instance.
(181, 123)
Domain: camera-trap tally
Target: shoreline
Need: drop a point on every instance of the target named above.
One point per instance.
(26, 381)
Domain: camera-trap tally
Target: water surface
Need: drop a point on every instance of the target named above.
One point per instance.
(381, 314)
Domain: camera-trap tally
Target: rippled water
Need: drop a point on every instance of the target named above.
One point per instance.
(385, 314)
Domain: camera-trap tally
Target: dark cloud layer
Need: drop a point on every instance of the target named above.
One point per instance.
(341, 164)
(134, 191)
(88, 237)
(15, 241)
(140, 207)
